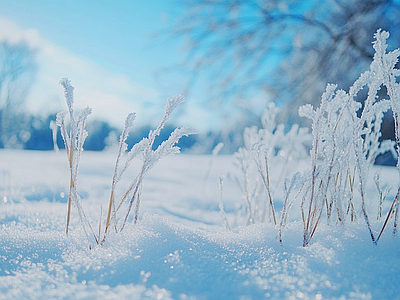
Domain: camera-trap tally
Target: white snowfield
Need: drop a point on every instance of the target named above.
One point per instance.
(180, 249)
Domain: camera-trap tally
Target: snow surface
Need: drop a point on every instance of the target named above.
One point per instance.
(180, 249)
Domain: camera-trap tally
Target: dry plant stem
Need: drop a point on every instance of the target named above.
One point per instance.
(380, 197)
(363, 208)
(97, 239)
(266, 181)
(315, 228)
(284, 211)
(396, 218)
(82, 217)
(281, 224)
(390, 85)
(135, 196)
(289, 205)
(359, 155)
(109, 210)
(329, 210)
(123, 198)
(392, 208)
(338, 214)
(71, 186)
(136, 216)
(101, 214)
(397, 134)
(307, 227)
(351, 205)
(114, 211)
(316, 215)
(110, 206)
(267, 186)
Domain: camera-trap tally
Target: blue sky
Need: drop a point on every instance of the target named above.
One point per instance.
(106, 49)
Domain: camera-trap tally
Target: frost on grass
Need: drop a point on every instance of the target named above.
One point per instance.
(74, 141)
(385, 71)
(266, 149)
(346, 140)
(149, 157)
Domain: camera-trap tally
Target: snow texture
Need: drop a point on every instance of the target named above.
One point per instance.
(180, 249)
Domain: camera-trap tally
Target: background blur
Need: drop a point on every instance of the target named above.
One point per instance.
(229, 58)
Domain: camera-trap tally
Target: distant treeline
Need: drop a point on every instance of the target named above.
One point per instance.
(36, 134)
(101, 135)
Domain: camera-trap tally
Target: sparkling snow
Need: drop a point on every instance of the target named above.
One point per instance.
(180, 249)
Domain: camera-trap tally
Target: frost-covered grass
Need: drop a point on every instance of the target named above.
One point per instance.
(214, 227)
(180, 248)
(74, 137)
(346, 140)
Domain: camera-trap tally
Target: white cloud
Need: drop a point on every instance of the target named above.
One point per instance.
(111, 96)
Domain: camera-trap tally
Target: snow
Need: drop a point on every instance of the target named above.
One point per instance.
(180, 249)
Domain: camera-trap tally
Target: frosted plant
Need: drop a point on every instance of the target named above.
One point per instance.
(382, 193)
(73, 141)
(346, 137)
(332, 129)
(287, 189)
(385, 72)
(346, 140)
(260, 155)
(243, 161)
(382, 73)
(343, 141)
(266, 148)
(149, 157)
(118, 173)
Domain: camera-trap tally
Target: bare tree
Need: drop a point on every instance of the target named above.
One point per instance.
(288, 48)
(17, 72)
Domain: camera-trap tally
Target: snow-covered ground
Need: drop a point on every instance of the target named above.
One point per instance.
(180, 249)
